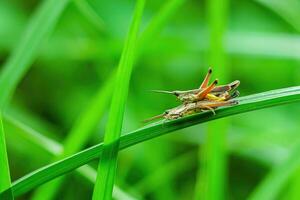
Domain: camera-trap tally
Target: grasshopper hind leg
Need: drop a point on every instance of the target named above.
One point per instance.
(205, 108)
(201, 95)
(206, 79)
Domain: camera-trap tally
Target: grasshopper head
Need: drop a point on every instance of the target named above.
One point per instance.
(234, 84)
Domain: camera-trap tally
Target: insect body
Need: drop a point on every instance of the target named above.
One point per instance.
(202, 92)
(192, 108)
(206, 97)
(195, 107)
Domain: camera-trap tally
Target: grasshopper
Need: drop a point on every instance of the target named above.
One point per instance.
(191, 108)
(195, 107)
(205, 91)
(206, 97)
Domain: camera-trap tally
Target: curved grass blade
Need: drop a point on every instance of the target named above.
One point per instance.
(288, 10)
(272, 185)
(90, 14)
(79, 136)
(40, 26)
(51, 146)
(247, 103)
(80, 132)
(169, 9)
(5, 181)
(108, 161)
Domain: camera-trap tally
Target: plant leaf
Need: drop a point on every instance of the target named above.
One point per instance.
(211, 180)
(287, 10)
(80, 132)
(108, 161)
(38, 29)
(4, 167)
(41, 141)
(247, 103)
(79, 136)
(278, 177)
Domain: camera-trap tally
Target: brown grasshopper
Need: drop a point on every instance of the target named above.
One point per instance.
(191, 108)
(211, 92)
(198, 100)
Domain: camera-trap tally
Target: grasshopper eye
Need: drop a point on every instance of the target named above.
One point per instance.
(166, 112)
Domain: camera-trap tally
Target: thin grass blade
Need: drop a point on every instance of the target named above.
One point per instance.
(287, 10)
(79, 135)
(90, 14)
(80, 132)
(159, 21)
(108, 161)
(211, 180)
(41, 141)
(5, 181)
(247, 103)
(39, 28)
(274, 182)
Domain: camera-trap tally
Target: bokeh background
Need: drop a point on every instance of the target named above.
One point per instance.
(261, 48)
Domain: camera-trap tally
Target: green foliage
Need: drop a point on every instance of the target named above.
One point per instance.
(39, 28)
(57, 77)
(213, 176)
(247, 103)
(278, 177)
(4, 167)
(79, 134)
(108, 161)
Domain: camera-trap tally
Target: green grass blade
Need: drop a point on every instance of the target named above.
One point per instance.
(80, 132)
(88, 120)
(79, 135)
(172, 168)
(211, 180)
(108, 161)
(4, 168)
(287, 10)
(41, 141)
(159, 21)
(247, 103)
(5, 181)
(87, 11)
(270, 187)
(40, 26)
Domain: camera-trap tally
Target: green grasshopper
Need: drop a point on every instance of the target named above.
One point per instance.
(211, 92)
(202, 99)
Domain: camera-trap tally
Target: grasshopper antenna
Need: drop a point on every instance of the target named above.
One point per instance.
(153, 118)
(163, 91)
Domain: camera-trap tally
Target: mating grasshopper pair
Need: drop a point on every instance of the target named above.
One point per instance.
(206, 97)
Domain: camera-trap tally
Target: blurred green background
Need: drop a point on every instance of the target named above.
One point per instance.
(261, 45)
